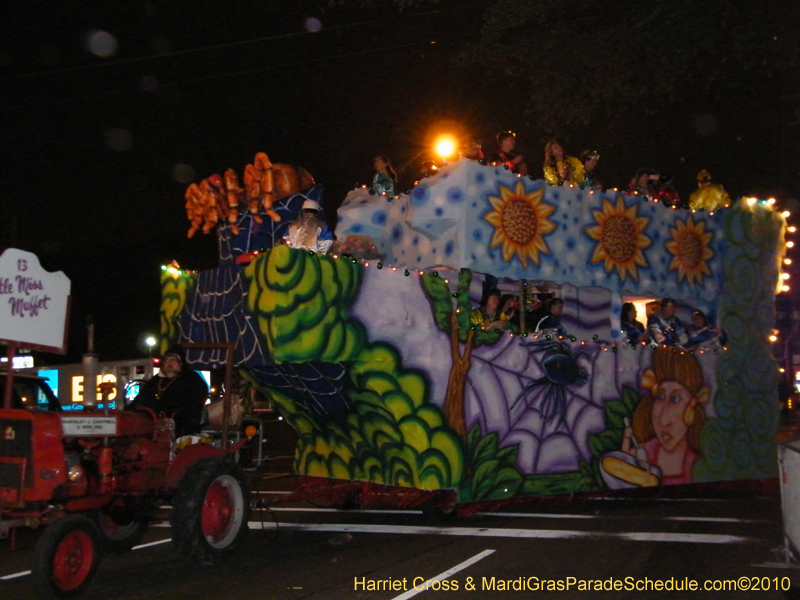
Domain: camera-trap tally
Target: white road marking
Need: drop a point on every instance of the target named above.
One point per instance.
(15, 575)
(714, 519)
(695, 538)
(156, 543)
(139, 547)
(368, 511)
(512, 515)
(621, 499)
(629, 517)
(445, 574)
(538, 515)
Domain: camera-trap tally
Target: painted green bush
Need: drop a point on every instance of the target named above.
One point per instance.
(175, 288)
(492, 470)
(492, 473)
(301, 299)
(393, 435)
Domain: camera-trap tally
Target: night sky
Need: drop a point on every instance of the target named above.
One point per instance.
(111, 109)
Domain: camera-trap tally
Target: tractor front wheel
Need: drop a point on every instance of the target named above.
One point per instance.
(66, 557)
(210, 509)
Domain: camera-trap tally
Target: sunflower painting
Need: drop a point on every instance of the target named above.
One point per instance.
(520, 222)
(619, 233)
(690, 250)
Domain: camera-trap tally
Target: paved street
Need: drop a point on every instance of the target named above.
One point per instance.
(305, 549)
(298, 550)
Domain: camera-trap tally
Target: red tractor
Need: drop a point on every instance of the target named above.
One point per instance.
(96, 479)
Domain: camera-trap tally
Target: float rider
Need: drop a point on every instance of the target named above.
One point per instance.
(309, 232)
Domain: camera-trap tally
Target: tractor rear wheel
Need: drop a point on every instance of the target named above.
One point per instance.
(66, 557)
(210, 509)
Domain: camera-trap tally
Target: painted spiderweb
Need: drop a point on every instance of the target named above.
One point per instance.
(216, 313)
(497, 376)
(315, 386)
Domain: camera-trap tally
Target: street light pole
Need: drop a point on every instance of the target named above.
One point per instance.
(151, 342)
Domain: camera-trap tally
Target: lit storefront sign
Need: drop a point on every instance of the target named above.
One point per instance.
(51, 377)
(78, 388)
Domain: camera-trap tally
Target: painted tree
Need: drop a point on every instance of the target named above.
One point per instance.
(451, 312)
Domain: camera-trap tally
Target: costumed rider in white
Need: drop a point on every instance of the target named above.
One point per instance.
(309, 232)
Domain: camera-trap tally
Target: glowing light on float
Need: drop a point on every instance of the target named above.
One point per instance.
(173, 268)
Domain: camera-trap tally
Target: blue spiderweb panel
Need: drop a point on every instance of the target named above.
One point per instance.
(215, 313)
(260, 236)
(315, 386)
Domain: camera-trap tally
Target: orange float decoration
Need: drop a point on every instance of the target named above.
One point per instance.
(218, 198)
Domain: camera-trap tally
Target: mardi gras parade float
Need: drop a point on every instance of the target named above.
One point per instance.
(369, 353)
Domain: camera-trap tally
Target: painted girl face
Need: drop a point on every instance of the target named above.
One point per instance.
(557, 150)
(668, 409)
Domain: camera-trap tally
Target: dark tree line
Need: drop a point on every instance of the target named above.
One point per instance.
(584, 60)
(580, 61)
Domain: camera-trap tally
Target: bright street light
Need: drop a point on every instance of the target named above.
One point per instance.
(445, 146)
(151, 342)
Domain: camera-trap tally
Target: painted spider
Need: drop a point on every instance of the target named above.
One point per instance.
(560, 370)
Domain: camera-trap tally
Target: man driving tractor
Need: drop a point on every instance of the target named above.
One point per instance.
(175, 391)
